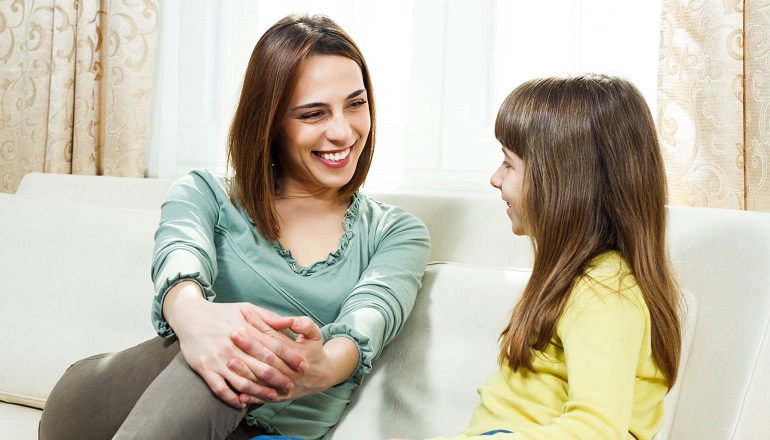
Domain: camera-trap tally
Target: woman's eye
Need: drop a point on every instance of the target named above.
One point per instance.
(358, 103)
(506, 165)
(311, 115)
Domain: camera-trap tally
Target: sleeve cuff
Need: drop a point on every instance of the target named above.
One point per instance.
(364, 344)
(158, 320)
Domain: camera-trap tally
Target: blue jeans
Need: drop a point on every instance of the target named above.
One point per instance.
(275, 437)
(283, 437)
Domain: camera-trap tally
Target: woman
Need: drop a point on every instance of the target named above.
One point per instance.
(276, 288)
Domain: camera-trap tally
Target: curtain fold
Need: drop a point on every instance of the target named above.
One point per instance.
(757, 121)
(714, 102)
(75, 82)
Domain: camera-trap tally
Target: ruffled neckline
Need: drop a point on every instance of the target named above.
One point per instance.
(347, 222)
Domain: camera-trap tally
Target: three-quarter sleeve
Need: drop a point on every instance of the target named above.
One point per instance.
(184, 242)
(382, 299)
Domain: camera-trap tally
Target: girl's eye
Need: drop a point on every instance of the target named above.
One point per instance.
(506, 165)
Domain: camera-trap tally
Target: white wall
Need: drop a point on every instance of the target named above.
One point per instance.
(440, 70)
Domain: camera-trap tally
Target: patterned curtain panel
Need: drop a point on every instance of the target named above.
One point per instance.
(714, 102)
(75, 82)
(757, 120)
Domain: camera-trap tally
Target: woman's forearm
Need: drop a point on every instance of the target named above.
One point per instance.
(181, 297)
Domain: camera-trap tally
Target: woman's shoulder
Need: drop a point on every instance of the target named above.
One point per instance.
(381, 211)
(203, 181)
(383, 214)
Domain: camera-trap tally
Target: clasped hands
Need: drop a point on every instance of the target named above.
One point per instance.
(244, 357)
(276, 366)
(241, 352)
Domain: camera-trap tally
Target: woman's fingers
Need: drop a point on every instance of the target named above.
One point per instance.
(306, 329)
(264, 320)
(206, 338)
(265, 342)
(253, 390)
(259, 393)
(220, 388)
(261, 364)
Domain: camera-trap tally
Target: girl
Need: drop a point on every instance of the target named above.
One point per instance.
(593, 345)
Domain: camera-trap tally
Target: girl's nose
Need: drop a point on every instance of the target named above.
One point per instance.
(495, 179)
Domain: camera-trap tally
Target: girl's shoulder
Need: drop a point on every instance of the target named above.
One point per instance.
(606, 282)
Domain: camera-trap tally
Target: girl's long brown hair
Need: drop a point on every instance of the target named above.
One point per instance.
(594, 181)
(269, 81)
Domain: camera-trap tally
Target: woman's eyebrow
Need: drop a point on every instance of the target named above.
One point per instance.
(356, 93)
(323, 104)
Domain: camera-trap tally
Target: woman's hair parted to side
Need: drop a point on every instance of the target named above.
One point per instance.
(594, 181)
(268, 84)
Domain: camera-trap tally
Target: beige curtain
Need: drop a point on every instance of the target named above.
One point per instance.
(714, 102)
(75, 82)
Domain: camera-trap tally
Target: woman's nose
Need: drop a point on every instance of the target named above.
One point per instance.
(339, 129)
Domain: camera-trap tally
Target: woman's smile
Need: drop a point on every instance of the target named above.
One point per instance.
(334, 159)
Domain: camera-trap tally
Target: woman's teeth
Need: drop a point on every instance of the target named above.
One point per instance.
(334, 157)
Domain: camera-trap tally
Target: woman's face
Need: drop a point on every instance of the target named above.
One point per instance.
(326, 126)
(509, 179)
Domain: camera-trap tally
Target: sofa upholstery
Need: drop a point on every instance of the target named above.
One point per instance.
(75, 260)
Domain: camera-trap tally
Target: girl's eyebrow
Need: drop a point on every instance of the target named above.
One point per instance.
(323, 104)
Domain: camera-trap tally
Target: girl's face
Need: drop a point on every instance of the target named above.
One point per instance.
(509, 179)
(326, 126)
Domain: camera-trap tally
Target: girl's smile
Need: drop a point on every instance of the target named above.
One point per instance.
(509, 179)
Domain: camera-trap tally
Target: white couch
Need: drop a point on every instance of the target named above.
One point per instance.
(75, 268)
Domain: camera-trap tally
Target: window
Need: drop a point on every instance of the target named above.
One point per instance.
(440, 70)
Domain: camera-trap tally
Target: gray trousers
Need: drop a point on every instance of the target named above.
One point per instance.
(145, 392)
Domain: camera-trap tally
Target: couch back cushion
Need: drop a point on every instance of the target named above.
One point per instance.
(76, 282)
(424, 384)
(470, 229)
(126, 192)
(723, 257)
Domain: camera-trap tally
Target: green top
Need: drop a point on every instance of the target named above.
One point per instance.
(596, 379)
(363, 291)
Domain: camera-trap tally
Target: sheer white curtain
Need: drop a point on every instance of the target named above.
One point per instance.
(440, 69)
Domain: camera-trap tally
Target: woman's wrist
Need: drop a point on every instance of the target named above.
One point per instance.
(341, 358)
(180, 297)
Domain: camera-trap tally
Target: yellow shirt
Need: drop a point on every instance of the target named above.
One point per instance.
(596, 379)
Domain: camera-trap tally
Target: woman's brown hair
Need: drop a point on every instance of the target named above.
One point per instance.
(270, 78)
(594, 181)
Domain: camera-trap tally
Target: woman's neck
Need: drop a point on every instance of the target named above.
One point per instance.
(319, 198)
